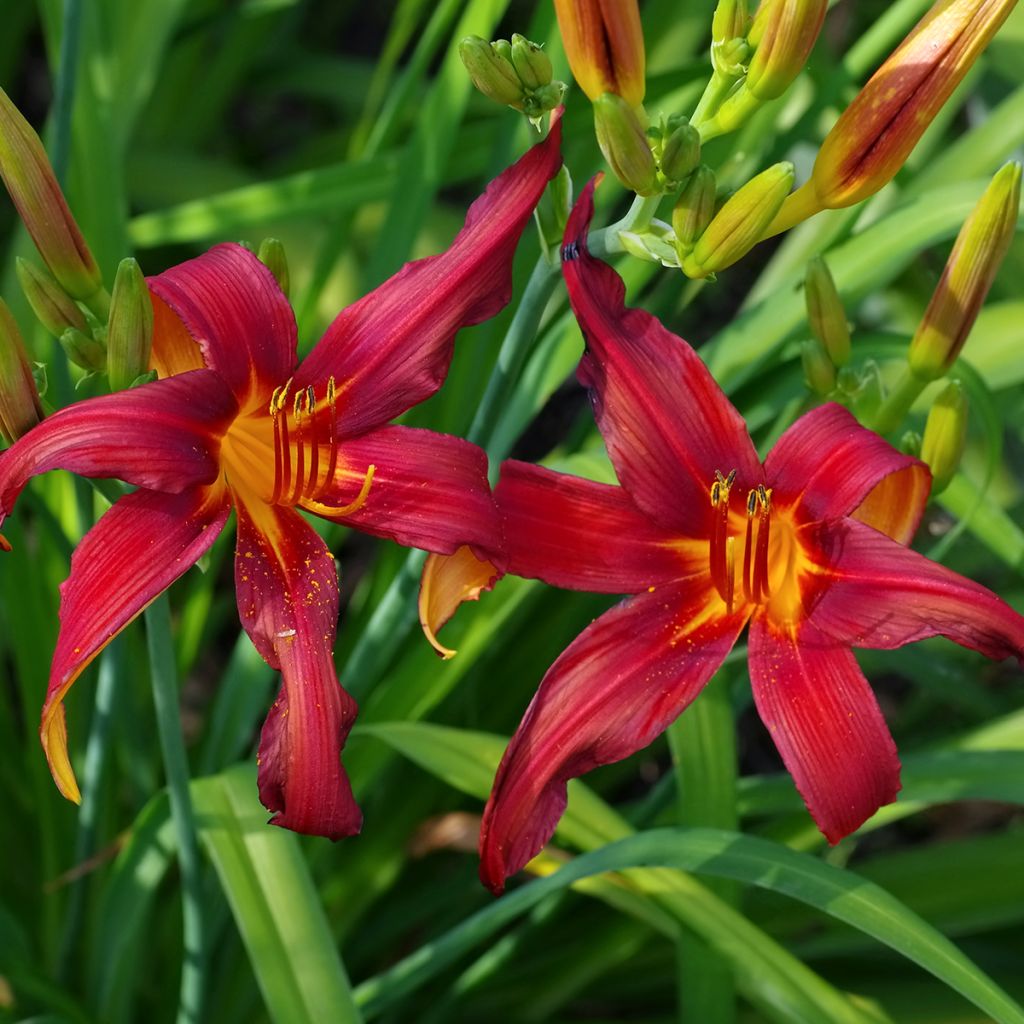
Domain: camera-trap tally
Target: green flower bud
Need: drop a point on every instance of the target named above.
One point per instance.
(547, 97)
(84, 350)
(130, 330)
(531, 63)
(53, 307)
(491, 71)
(694, 209)
(20, 409)
(786, 31)
(977, 253)
(819, 370)
(738, 226)
(272, 255)
(730, 21)
(624, 144)
(825, 312)
(680, 150)
(945, 432)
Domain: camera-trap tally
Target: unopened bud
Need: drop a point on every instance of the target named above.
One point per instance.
(738, 226)
(130, 330)
(492, 73)
(53, 307)
(787, 32)
(624, 144)
(20, 409)
(33, 187)
(945, 432)
(680, 150)
(730, 21)
(604, 42)
(272, 255)
(870, 393)
(819, 370)
(825, 312)
(84, 350)
(531, 63)
(694, 209)
(977, 253)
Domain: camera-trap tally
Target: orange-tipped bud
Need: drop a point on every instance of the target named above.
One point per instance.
(53, 307)
(30, 180)
(825, 312)
(625, 145)
(604, 42)
(875, 134)
(783, 34)
(20, 409)
(970, 269)
(945, 432)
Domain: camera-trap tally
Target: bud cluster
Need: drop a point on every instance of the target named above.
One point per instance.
(516, 73)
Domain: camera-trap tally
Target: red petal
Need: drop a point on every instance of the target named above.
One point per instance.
(287, 588)
(391, 349)
(880, 594)
(144, 542)
(666, 422)
(826, 723)
(831, 465)
(229, 302)
(612, 691)
(583, 535)
(428, 491)
(164, 436)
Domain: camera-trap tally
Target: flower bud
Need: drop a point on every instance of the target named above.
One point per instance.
(272, 255)
(875, 134)
(531, 63)
(730, 21)
(624, 144)
(53, 307)
(20, 409)
(679, 150)
(491, 72)
(786, 31)
(819, 370)
(130, 329)
(84, 350)
(825, 312)
(33, 188)
(967, 277)
(694, 209)
(945, 432)
(604, 42)
(738, 226)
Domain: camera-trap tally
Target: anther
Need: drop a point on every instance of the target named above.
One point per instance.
(344, 510)
(298, 405)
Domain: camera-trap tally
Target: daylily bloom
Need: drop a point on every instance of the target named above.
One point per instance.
(808, 548)
(234, 423)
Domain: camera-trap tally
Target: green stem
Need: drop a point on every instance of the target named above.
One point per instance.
(163, 675)
(898, 403)
(638, 217)
(717, 89)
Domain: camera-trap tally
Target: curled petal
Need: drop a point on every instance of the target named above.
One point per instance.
(877, 593)
(230, 304)
(137, 549)
(427, 491)
(835, 467)
(583, 535)
(163, 436)
(448, 581)
(826, 723)
(667, 425)
(287, 588)
(613, 690)
(391, 349)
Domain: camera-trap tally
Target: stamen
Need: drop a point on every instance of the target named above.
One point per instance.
(314, 444)
(761, 588)
(282, 448)
(717, 557)
(747, 544)
(300, 450)
(332, 439)
(351, 507)
(730, 572)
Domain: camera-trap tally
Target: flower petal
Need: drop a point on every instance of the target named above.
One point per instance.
(877, 593)
(667, 425)
(287, 588)
(229, 302)
(583, 535)
(620, 684)
(163, 436)
(447, 581)
(825, 721)
(833, 465)
(427, 491)
(391, 349)
(136, 550)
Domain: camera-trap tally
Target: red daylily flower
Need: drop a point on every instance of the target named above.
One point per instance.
(808, 548)
(234, 423)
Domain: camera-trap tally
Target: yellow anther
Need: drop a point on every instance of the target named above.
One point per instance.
(330, 390)
(716, 494)
(344, 510)
(764, 496)
(752, 500)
